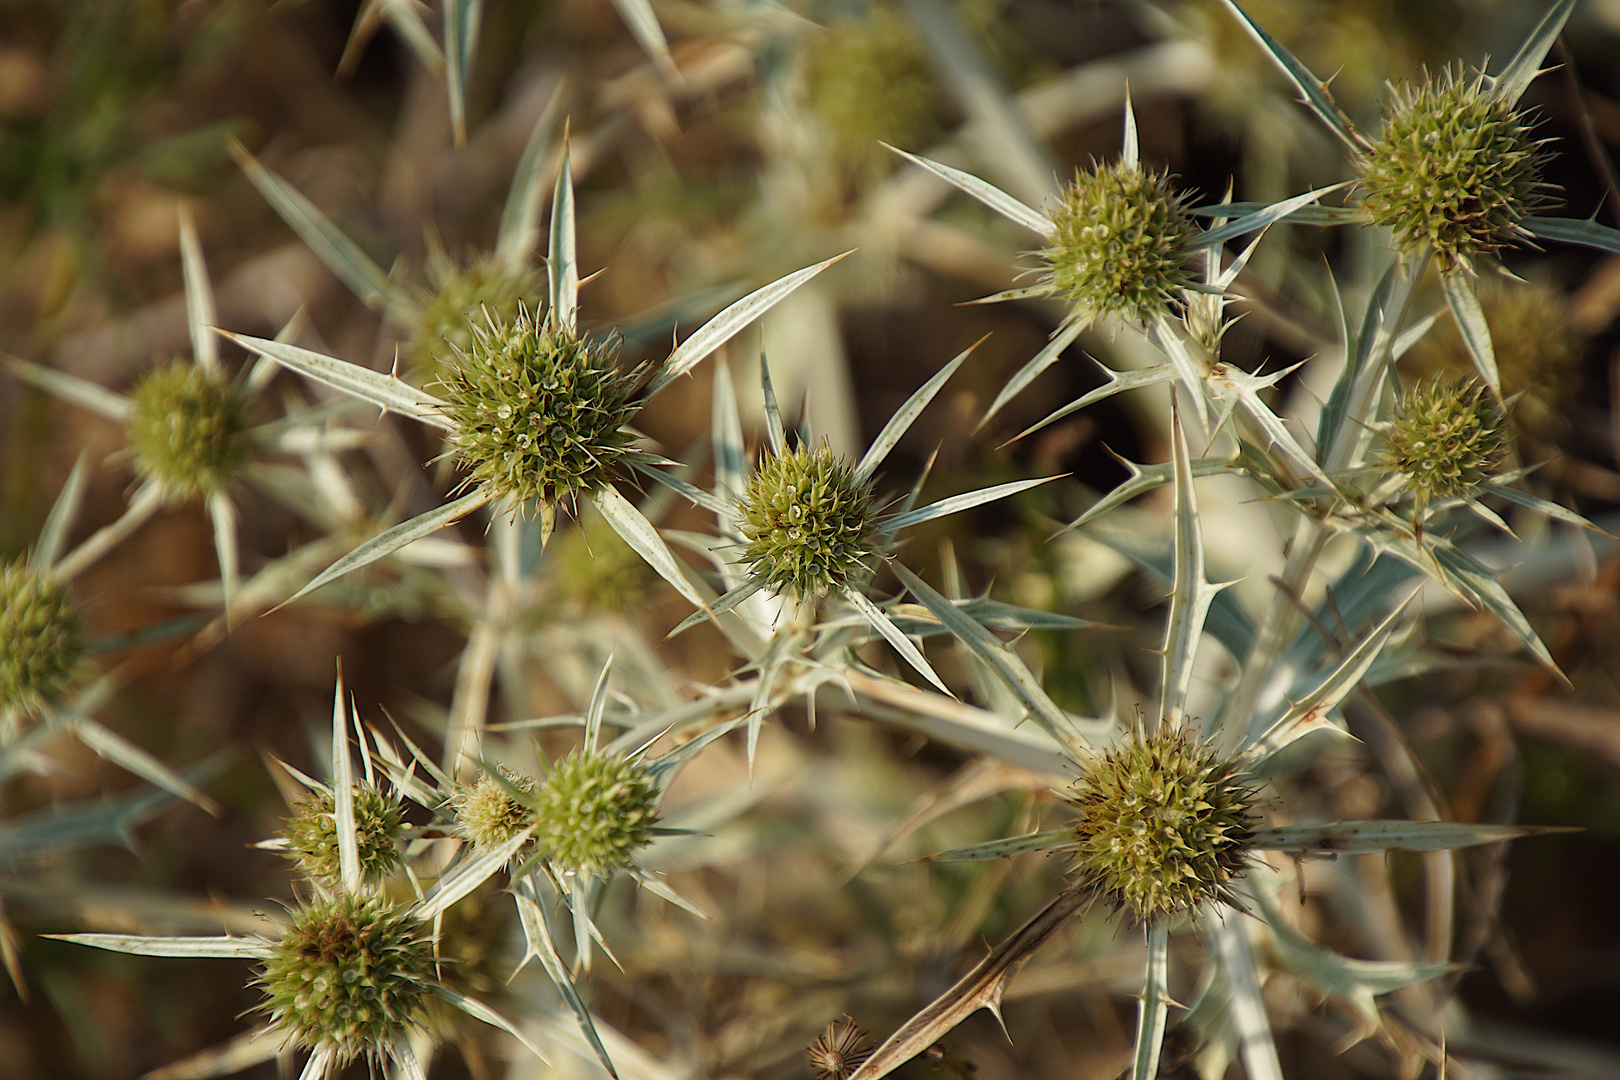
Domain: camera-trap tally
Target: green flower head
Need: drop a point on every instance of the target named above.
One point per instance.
(351, 974)
(1162, 825)
(1120, 244)
(312, 838)
(188, 429)
(1447, 437)
(809, 524)
(1455, 170)
(490, 813)
(40, 638)
(593, 812)
(539, 413)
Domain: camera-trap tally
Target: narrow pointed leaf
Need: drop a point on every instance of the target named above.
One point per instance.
(538, 936)
(53, 534)
(387, 543)
(1515, 79)
(1481, 584)
(1050, 840)
(1118, 382)
(461, 18)
(126, 755)
(562, 259)
(81, 392)
(200, 316)
(1306, 215)
(520, 218)
(146, 501)
(1002, 660)
(1545, 507)
(730, 463)
(720, 329)
(1369, 837)
(1476, 333)
(1246, 1008)
(906, 415)
(1153, 1008)
(774, 430)
(1130, 150)
(966, 501)
(343, 794)
(468, 874)
(1259, 219)
(222, 514)
(1002, 203)
(719, 607)
(1062, 339)
(341, 255)
(593, 716)
(387, 392)
(479, 1011)
(1189, 592)
(139, 945)
(1313, 91)
(639, 533)
(638, 15)
(1575, 231)
(664, 892)
(891, 633)
(690, 492)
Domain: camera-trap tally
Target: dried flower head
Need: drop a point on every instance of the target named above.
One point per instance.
(312, 836)
(1162, 824)
(461, 294)
(1455, 169)
(350, 975)
(490, 813)
(40, 638)
(1120, 244)
(188, 429)
(1447, 437)
(593, 811)
(538, 413)
(839, 1051)
(809, 523)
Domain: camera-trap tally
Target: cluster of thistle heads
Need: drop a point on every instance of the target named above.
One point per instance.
(539, 415)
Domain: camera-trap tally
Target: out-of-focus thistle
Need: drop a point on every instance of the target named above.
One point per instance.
(41, 639)
(188, 429)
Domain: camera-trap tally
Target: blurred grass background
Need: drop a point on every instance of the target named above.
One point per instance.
(761, 158)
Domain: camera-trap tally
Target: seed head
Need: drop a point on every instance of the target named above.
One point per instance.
(312, 836)
(351, 974)
(539, 413)
(809, 523)
(1454, 171)
(40, 642)
(489, 814)
(1162, 825)
(1120, 244)
(594, 811)
(839, 1051)
(461, 294)
(1447, 436)
(188, 429)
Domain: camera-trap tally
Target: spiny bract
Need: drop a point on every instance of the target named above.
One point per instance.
(1119, 244)
(538, 412)
(809, 523)
(312, 837)
(188, 429)
(1447, 437)
(1454, 171)
(594, 810)
(40, 638)
(350, 974)
(490, 813)
(1162, 825)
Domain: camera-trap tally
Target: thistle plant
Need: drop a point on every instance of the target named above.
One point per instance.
(44, 639)
(1446, 438)
(810, 526)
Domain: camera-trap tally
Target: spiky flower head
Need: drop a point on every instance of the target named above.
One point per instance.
(538, 413)
(1162, 824)
(351, 974)
(312, 836)
(809, 523)
(188, 429)
(491, 812)
(594, 810)
(1454, 171)
(1120, 244)
(40, 638)
(839, 1051)
(1538, 353)
(1447, 436)
(461, 293)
